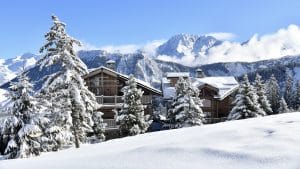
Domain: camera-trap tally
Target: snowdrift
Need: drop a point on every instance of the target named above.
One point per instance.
(271, 142)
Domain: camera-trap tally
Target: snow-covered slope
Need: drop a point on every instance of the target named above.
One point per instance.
(9, 68)
(5, 73)
(186, 45)
(16, 64)
(262, 143)
(2, 95)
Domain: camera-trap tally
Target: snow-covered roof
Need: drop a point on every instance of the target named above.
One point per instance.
(125, 77)
(178, 74)
(111, 61)
(224, 84)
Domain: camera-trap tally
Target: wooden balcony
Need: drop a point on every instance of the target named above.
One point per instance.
(109, 100)
(110, 124)
(115, 100)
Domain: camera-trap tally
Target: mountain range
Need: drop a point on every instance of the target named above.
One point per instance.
(152, 68)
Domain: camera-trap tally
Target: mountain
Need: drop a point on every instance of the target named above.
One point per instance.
(152, 70)
(5, 73)
(186, 44)
(9, 68)
(270, 142)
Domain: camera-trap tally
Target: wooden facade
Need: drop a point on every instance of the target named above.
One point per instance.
(217, 109)
(173, 80)
(217, 94)
(106, 84)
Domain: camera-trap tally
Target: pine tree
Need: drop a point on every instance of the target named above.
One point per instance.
(20, 132)
(131, 117)
(246, 105)
(261, 93)
(283, 108)
(273, 93)
(297, 96)
(71, 103)
(186, 107)
(288, 92)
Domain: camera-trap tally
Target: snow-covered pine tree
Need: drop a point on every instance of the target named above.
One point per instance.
(71, 103)
(283, 108)
(246, 105)
(131, 117)
(273, 93)
(288, 92)
(297, 96)
(261, 93)
(20, 132)
(186, 107)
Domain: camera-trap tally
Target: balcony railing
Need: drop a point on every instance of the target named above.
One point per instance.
(109, 99)
(110, 124)
(113, 100)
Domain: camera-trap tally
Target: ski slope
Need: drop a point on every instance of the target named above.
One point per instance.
(271, 142)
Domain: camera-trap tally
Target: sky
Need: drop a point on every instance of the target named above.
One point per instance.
(122, 22)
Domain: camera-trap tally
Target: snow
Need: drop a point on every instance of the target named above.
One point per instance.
(2, 95)
(297, 74)
(169, 92)
(178, 74)
(270, 142)
(140, 82)
(225, 84)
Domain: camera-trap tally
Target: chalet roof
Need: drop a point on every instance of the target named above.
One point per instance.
(224, 85)
(140, 83)
(178, 74)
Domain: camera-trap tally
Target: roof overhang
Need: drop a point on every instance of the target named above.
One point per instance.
(121, 76)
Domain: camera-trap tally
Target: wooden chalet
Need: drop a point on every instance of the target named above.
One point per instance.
(217, 93)
(106, 84)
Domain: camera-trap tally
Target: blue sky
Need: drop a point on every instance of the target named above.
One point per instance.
(119, 22)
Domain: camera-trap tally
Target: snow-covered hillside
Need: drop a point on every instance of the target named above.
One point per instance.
(9, 68)
(262, 143)
(2, 95)
(5, 73)
(186, 44)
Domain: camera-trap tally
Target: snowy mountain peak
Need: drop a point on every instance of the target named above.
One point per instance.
(26, 60)
(9, 68)
(185, 44)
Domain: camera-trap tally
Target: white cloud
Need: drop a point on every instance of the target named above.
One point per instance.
(281, 43)
(124, 49)
(150, 47)
(188, 59)
(85, 46)
(222, 35)
(284, 42)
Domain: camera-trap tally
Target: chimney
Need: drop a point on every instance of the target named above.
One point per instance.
(199, 73)
(111, 64)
